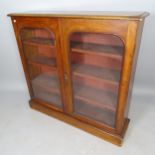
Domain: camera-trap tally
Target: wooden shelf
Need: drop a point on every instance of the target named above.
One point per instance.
(96, 77)
(39, 41)
(51, 62)
(46, 88)
(96, 60)
(47, 82)
(115, 52)
(95, 97)
(94, 113)
(50, 98)
(97, 73)
(96, 38)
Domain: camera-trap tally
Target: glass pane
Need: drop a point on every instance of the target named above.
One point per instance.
(39, 49)
(96, 60)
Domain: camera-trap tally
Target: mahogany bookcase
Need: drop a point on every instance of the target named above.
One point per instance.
(79, 66)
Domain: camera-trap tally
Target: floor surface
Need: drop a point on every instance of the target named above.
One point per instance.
(24, 131)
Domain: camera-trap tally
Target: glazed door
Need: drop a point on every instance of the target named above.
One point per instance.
(95, 56)
(37, 38)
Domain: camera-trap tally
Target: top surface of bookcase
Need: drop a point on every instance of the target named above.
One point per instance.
(86, 14)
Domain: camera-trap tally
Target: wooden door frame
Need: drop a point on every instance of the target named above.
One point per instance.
(50, 24)
(117, 27)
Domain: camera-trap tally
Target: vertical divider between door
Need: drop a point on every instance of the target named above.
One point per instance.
(65, 75)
